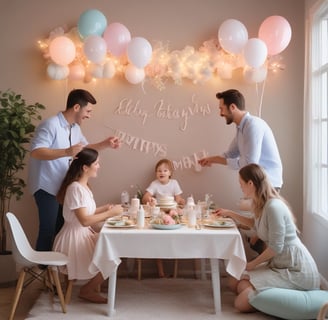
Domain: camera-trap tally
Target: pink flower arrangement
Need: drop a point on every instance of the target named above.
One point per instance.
(167, 219)
(172, 217)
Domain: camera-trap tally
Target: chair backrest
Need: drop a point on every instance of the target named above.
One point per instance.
(21, 247)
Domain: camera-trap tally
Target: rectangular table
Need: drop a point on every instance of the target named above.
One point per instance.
(183, 243)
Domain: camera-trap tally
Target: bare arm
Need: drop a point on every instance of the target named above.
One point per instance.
(89, 220)
(247, 221)
(52, 154)
(111, 142)
(148, 198)
(214, 159)
(179, 200)
(104, 208)
(265, 256)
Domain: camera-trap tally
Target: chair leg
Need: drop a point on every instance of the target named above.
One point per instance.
(54, 275)
(175, 272)
(18, 293)
(68, 294)
(139, 268)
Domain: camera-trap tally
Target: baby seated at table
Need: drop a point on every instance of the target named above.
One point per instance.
(163, 186)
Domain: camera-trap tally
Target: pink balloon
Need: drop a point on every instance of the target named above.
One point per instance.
(62, 50)
(276, 32)
(117, 37)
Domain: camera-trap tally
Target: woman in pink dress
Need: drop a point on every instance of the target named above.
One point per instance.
(77, 239)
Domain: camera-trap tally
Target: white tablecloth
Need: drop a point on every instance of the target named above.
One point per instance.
(212, 243)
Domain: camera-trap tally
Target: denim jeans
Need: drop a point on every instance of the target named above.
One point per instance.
(50, 219)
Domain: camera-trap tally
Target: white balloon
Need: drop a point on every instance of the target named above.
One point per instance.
(255, 75)
(134, 75)
(139, 52)
(232, 36)
(96, 71)
(255, 52)
(109, 70)
(57, 72)
(95, 48)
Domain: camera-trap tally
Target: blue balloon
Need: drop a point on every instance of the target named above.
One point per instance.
(91, 22)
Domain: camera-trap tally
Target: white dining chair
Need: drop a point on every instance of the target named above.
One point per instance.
(27, 259)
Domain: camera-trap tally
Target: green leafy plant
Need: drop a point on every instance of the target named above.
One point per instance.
(16, 130)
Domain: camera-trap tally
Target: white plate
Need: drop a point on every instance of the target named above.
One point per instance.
(120, 226)
(219, 224)
(166, 226)
(118, 223)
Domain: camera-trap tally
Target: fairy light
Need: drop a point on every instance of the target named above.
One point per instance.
(197, 66)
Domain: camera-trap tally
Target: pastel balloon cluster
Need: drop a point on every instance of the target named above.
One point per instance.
(100, 41)
(273, 37)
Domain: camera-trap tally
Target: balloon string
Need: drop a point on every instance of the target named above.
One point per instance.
(261, 98)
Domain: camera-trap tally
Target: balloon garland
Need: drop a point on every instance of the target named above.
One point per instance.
(95, 49)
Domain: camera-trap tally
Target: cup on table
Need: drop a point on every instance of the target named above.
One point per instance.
(155, 212)
(191, 217)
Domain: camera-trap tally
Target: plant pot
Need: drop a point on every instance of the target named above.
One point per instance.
(8, 274)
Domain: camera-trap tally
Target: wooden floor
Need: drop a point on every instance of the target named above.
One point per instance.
(28, 298)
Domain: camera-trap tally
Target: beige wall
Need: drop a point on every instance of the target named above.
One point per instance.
(180, 23)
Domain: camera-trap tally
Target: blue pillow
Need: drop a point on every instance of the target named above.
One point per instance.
(289, 304)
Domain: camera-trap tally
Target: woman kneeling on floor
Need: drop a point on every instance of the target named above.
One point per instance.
(285, 262)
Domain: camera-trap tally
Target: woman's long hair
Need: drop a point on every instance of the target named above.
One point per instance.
(84, 158)
(263, 188)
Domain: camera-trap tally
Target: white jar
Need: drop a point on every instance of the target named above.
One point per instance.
(191, 216)
(141, 218)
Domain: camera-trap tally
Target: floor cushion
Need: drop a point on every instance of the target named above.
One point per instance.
(289, 304)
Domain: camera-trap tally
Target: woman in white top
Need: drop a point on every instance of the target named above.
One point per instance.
(285, 261)
(77, 238)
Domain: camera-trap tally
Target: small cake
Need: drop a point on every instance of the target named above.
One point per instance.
(166, 201)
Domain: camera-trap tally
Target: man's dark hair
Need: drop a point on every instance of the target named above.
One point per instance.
(81, 97)
(232, 96)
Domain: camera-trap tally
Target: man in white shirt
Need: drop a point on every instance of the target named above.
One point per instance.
(56, 141)
(254, 141)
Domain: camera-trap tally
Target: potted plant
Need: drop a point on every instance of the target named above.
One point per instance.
(16, 129)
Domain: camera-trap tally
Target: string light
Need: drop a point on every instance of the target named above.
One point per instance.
(196, 65)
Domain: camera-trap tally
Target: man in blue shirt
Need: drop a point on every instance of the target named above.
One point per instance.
(254, 141)
(56, 141)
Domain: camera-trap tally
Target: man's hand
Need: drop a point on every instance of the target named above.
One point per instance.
(73, 150)
(205, 162)
(113, 142)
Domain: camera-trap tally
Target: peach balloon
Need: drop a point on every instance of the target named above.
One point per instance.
(276, 32)
(62, 50)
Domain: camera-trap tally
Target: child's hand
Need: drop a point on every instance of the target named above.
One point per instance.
(152, 201)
